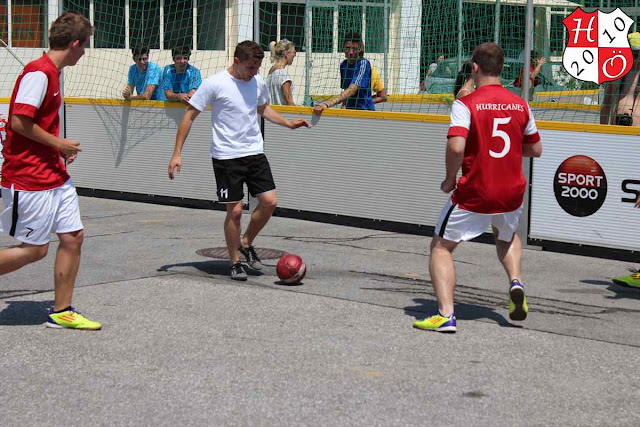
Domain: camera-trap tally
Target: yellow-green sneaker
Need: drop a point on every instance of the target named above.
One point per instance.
(70, 319)
(437, 323)
(518, 307)
(632, 280)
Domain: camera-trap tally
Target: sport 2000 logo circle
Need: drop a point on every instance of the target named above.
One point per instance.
(580, 186)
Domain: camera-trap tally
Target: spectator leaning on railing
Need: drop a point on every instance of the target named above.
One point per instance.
(355, 79)
(145, 77)
(180, 79)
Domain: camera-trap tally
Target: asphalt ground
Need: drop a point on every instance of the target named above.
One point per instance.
(183, 344)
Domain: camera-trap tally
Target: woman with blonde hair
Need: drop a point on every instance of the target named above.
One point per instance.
(278, 81)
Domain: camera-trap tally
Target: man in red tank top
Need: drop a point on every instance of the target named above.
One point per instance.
(491, 130)
(37, 194)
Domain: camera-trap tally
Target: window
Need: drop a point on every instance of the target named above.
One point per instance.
(349, 21)
(268, 24)
(212, 23)
(557, 39)
(292, 18)
(27, 23)
(108, 20)
(4, 23)
(322, 29)
(81, 6)
(144, 23)
(292, 23)
(374, 22)
(145, 26)
(363, 17)
(512, 34)
(178, 23)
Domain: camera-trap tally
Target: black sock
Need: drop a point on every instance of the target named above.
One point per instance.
(64, 309)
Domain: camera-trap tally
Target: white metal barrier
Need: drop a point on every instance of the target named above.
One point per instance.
(370, 165)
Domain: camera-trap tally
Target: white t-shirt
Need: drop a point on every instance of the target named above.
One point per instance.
(234, 116)
(274, 82)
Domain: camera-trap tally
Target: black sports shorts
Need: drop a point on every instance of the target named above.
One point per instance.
(231, 174)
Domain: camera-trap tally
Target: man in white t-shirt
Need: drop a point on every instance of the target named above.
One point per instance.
(236, 96)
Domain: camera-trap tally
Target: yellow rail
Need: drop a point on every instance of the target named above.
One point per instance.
(383, 115)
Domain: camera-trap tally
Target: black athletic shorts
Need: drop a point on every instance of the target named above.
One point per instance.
(231, 174)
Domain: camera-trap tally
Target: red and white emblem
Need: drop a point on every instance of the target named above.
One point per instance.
(597, 49)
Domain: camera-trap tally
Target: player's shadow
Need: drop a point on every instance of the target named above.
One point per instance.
(620, 291)
(213, 267)
(20, 313)
(425, 308)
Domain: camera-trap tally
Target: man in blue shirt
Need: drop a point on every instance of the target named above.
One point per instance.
(355, 78)
(181, 79)
(145, 77)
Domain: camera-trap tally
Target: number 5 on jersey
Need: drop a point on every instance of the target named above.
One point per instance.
(501, 134)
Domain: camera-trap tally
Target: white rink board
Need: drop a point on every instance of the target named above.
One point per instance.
(616, 224)
(363, 167)
(392, 172)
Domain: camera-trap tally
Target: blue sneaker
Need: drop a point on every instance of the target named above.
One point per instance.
(437, 323)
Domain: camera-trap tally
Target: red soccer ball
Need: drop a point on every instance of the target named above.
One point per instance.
(291, 269)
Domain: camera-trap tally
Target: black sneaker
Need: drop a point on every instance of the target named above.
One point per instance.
(238, 273)
(251, 256)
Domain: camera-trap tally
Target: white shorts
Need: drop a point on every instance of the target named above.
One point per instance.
(31, 216)
(457, 224)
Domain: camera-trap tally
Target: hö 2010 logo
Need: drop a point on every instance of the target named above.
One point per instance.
(597, 49)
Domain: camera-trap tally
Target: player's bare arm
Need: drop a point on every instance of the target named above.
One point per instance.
(380, 96)
(180, 97)
(146, 95)
(273, 116)
(532, 150)
(25, 126)
(189, 95)
(454, 157)
(183, 131)
(348, 92)
(466, 89)
(127, 92)
(538, 68)
(286, 91)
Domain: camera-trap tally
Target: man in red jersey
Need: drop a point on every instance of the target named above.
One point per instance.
(491, 130)
(38, 195)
